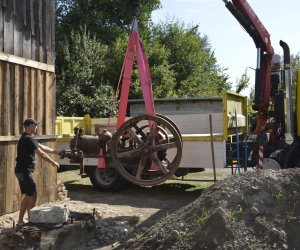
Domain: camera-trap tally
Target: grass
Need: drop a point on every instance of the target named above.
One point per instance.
(189, 184)
(280, 196)
(236, 212)
(201, 219)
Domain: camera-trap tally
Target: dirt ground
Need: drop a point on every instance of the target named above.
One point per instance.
(123, 216)
(253, 210)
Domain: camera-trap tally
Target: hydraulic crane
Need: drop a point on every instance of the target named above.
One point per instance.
(273, 96)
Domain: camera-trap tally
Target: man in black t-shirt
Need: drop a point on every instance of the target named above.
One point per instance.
(26, 150)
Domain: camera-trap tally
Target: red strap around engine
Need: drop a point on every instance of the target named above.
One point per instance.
(135, 45)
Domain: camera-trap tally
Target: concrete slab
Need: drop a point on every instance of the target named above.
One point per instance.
(68, 236)
(54, 214)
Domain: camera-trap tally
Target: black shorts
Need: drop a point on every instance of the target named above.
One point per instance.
(26, 182)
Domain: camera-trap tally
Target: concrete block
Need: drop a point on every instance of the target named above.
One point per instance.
(69, 236)
(49, 215)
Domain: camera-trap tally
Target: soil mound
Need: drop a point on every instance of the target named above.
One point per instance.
(253, 210)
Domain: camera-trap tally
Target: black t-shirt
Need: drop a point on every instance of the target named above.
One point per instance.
(25, 153)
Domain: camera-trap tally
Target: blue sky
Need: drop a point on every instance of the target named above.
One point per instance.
(234, 48)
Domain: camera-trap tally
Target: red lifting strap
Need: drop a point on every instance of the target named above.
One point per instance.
(135, 45)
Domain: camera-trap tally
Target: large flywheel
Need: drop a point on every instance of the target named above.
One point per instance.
(147, 149)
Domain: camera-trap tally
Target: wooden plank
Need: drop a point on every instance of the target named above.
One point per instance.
(38, 173)
(52, 176)
(49, 177)
(18, 29)
(52, 31)
(49, 103)
(26, 96)
(26, 62)
(2, 77)
(9, 138)
(49, 34)
(11, 189)
(32, 13)
(6, 109)
(41, 41)
(1, 28)
(33, 22)
(15, 101)
(11, 100)
(40, 12)
(22, 92)
(46, 25)
(26, 30)
(35, 30)
(8, 28)
(16, 138)
(32, 99)
(2, 177)
(40, 102)
(17, 196)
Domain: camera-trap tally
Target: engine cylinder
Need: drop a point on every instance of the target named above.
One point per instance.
(89, 144)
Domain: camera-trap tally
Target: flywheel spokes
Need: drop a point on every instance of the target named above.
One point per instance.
(147, 149)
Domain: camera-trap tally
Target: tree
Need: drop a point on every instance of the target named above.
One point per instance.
(104, 18)
(189, 56)
(89, 60)
(80, 90)
(295, 66)
(243, 82)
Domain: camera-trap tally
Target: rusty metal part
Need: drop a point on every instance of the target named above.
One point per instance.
(89, 144)
(104, 135)
(146, 150)
(171, 122)
(75, 156)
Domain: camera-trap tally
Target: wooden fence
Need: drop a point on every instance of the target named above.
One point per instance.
(27, 90)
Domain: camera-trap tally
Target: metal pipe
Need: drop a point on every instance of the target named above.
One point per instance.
(237, 143)
(288, 90)
(246, 143)
(257, 97)
(212, 147)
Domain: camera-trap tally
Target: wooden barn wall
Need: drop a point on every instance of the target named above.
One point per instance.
(28, 88)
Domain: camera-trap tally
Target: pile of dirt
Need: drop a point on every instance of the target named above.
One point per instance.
(253, 210)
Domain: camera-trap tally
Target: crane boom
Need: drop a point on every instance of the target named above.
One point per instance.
(245, 15)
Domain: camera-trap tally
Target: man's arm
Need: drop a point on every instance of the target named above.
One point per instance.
(46, 157)
(48, 149)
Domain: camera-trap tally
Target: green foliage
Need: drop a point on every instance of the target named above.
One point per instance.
(105, 19)
(200, 220)
(280, 196)
(80, 90)
(89, 60)
(190, 58)
(243, 82)
(295, 66)
(236, 212)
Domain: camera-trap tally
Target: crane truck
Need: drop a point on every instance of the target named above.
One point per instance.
(276, 136)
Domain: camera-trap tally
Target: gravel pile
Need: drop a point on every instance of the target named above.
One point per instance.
(253, 210)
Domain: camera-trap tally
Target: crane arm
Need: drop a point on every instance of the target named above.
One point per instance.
(245, 15)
